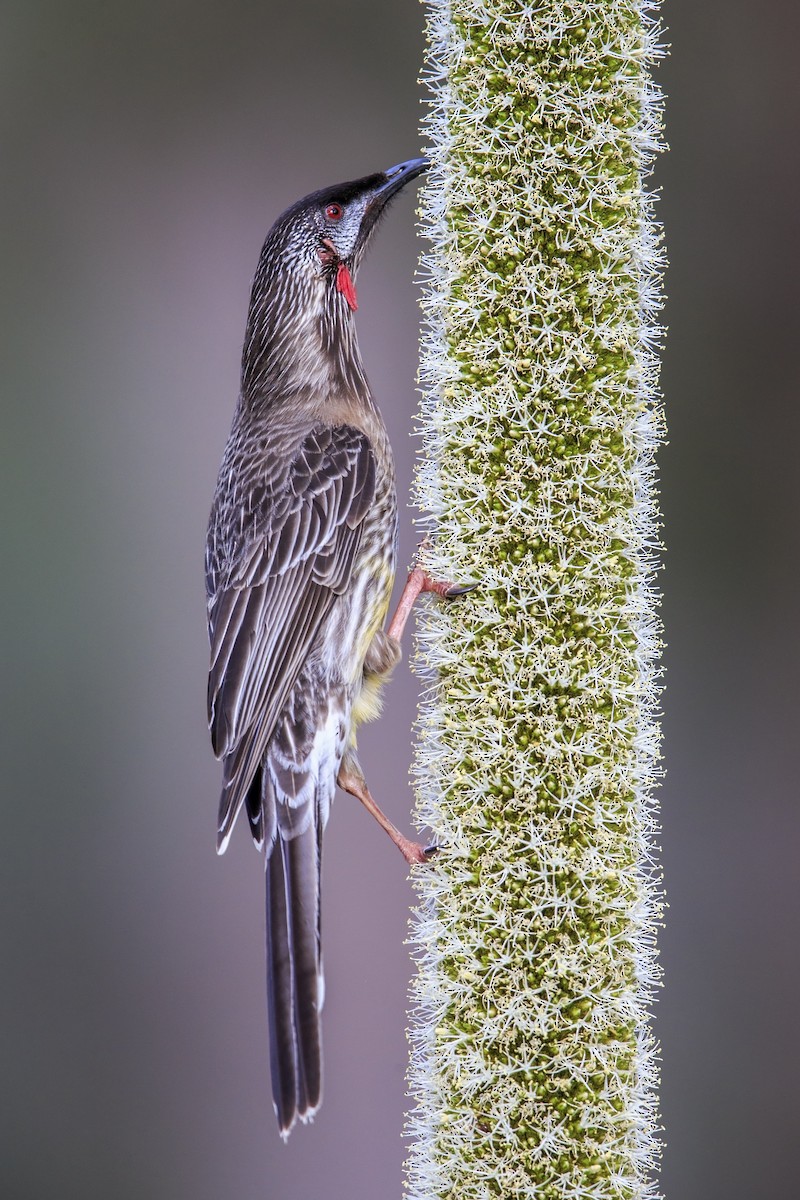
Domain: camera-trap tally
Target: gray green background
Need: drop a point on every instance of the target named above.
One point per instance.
(146, 148)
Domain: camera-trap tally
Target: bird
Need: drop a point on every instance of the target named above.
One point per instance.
(300, 564)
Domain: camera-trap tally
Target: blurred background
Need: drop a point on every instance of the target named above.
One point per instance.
(146, 149)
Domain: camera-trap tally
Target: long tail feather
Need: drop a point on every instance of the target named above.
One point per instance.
(294, 976)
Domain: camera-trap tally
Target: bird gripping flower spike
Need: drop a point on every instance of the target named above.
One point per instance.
(300, 560)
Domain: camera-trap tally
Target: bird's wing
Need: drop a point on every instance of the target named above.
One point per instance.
(297, 533)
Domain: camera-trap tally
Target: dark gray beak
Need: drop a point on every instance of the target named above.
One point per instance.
(394, 179)
(397, 177)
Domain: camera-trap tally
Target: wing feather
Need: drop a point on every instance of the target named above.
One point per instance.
(278, 556)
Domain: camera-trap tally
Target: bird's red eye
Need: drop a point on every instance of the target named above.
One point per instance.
(333, 211)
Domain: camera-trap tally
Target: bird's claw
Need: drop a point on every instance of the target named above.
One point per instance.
(448, 591)
(458, 589)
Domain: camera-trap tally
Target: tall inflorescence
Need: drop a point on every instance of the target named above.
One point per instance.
(533, 1066)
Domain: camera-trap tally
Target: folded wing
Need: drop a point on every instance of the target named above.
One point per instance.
(277, 558)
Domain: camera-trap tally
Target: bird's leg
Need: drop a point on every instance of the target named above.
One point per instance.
(351, 780)
(420, 581)
(383, 654)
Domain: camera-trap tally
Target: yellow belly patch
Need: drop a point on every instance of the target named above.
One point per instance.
(385, 579)
(368, 702)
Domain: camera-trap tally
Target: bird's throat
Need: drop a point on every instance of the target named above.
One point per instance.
(345, 285)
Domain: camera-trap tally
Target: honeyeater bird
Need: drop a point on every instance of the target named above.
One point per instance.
(300, 562)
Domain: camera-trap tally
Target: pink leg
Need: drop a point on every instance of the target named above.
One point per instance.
(354, 783)
(350, 778)
(419, 581)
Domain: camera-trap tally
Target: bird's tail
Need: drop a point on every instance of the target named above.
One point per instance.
(295, 986)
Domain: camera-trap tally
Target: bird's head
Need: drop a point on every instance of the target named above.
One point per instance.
(298, 332)
(324, 235)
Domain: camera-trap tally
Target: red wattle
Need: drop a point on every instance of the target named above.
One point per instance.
(345, 285)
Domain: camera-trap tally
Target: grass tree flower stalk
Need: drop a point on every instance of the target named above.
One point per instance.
(533, 1064)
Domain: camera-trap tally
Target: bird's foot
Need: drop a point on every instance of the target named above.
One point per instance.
(420, 581)
(352, 781)
(413, 852)
(441, 587)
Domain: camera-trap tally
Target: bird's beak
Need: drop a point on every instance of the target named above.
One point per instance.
(397, 177)
(394, 179)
